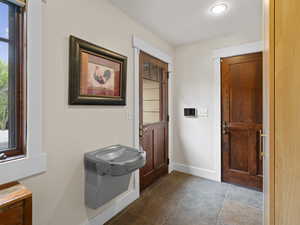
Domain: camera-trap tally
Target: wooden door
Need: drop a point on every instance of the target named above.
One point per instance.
(153, 118)
(242, 120)
(287, 112)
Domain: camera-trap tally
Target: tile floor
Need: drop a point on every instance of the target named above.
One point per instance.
(181, 199)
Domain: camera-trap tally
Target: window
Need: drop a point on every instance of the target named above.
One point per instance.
(12, 81)
(153, 93)
(151, 101)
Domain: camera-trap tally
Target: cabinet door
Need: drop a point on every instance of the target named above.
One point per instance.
(12, 215)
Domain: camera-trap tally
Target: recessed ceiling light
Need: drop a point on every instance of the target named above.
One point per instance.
(219, 8)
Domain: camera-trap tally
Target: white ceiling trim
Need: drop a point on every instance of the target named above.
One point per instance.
(239, 50)
(145, 47)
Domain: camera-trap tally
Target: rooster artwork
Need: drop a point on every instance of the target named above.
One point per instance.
(97, 75)
(102, 78)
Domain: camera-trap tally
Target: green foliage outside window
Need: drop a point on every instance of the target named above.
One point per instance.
(3, 95)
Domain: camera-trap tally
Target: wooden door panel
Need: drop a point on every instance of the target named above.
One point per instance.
(242, 179)
(154, 143)
(148, 146)
(242, 119)
(246, 92)
(245, 98)
(239, 150)
(160, 146)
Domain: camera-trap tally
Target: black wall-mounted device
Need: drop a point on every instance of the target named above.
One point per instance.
(190, 112)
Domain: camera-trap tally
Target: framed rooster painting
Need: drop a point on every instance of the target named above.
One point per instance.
(97, 76)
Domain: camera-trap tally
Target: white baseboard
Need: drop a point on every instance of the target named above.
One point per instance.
(114, 209)
(195, 171)
(170, 168)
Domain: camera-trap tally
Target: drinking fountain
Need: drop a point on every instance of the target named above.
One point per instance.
(108, 171)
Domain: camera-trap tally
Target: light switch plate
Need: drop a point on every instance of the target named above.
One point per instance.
(129, 116)
(203, 112)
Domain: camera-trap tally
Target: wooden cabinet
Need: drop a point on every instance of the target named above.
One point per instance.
(15, 205)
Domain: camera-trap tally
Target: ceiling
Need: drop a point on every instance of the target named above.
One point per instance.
(185, 21)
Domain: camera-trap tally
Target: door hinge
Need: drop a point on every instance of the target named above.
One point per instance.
(168, 75)
(168, 161)
(168, 118)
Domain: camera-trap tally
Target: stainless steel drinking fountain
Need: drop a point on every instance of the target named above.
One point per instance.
(108, 171)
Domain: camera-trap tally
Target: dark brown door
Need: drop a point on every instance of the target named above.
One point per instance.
(242, 120)
(153, 118)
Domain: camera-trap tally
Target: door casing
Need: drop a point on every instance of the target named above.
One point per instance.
(269, 112)
(268, 106)
(154, 135)
(141, 45)
(218, 54)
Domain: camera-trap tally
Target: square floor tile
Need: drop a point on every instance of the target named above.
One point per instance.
(246, 196)
(236, 213)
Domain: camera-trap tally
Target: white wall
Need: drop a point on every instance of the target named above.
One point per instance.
(194, 148)
(70, 131)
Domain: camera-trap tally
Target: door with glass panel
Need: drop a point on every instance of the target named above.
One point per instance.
(153, 118)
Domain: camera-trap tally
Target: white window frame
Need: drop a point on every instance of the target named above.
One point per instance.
(35, 160)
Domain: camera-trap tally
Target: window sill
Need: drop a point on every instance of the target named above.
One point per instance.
(12, 170)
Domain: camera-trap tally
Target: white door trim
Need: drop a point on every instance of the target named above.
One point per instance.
(157, 53)
(140, 45)
(217, 55)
